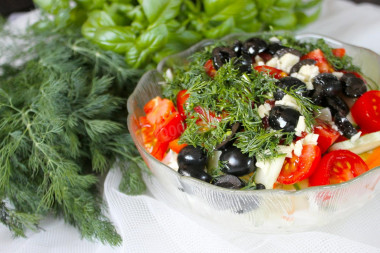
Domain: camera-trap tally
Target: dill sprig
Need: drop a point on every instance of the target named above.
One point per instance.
(63, 125)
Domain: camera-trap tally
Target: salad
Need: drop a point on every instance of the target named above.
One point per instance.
(266, 112)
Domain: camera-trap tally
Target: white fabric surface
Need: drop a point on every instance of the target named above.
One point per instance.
(149, 225)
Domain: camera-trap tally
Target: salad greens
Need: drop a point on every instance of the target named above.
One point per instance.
(145, 31)
(233, 92)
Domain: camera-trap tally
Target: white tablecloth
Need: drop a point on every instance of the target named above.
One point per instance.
(149, 225)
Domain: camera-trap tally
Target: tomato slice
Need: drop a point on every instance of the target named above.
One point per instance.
(209, 68)
(298, 168)
(276, 73)
(327, 135)
(182, 97)
(321, 61)
(171, 129)
(161, 125)
(366, 111)
(336, 167)
(338, 52)
(158, 109)
(175, 146)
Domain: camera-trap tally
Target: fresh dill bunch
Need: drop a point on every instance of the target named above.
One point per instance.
(63, 125)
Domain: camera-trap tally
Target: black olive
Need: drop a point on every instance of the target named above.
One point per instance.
(326, 84)
(244, 63)
(221, 55)
(228, 181)
(273, 48)
(283, 118)
(260, 186)
(344, 125)
(190, 171)
(192, 156)
(284, 50)
(237, 47)
(288, 83)
(236, 163)
(353, 86)
(296, 67)
(337, 105)
(254, 46)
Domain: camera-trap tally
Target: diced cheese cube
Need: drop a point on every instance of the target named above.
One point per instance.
(272, 62)
(301, 126)
(309, 72)
(268, 170)
(287, 61)
(311, 139)
(298, 147)
(287, 150)
(338, 74)
(288, 100)
(274, 40)
(264, 110)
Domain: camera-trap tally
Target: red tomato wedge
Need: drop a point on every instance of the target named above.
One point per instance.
(366, 111)
(209, 68)
(327, 135)
(182, 97)
(339, 52)
(322, 63)
(298, 168)
(276, 73)
(336, 167)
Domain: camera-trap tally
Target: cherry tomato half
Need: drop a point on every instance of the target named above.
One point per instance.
(366, 111)
(298, 168)
(336, 167)
(327, 135)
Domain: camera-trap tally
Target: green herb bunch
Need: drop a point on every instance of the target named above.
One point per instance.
(63, 125)
(233, 97)
(145, 31)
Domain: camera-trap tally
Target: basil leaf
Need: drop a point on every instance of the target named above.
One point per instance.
(247, 21)
(279, 17)
(221, 10)
(304, 19)
(221, 30)
(150, 41)
(116, 38)
(158, 12)
(95, 20)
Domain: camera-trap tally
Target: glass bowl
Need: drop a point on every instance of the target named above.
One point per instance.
(264, 211)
